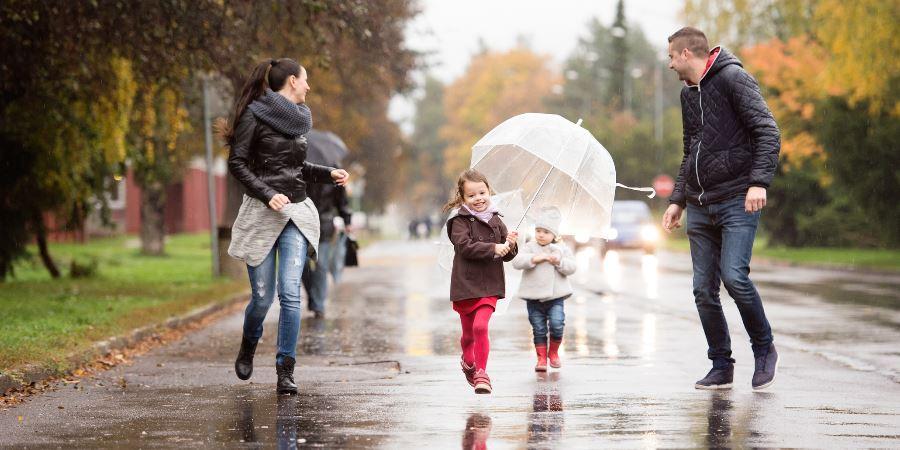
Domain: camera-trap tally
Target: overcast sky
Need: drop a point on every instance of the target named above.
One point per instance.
(450, 30)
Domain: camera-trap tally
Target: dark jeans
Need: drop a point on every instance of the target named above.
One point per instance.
(315, 278)
(541, 313)
(721, 237)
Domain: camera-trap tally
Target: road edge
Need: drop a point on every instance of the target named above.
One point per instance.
(21, 378)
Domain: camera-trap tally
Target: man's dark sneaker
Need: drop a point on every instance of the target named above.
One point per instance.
(717, 379)
(766, 368)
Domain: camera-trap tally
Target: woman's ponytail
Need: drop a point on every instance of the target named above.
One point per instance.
(253, 88)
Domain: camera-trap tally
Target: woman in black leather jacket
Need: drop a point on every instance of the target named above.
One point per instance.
(276, 221)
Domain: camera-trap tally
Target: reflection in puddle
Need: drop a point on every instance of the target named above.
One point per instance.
(718, 429)
(545, 423)
(650, 272)
(580, 324)
(610, 349)
(268, 420)
(583, 262)
(612, 270)
(287, 421)
(648, 335)
(418, 337)
(246, 432)
(477, 432)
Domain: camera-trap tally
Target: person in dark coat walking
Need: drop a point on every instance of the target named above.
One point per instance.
(731, 146)
(331, 202)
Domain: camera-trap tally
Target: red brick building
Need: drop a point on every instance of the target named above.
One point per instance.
(187, 208)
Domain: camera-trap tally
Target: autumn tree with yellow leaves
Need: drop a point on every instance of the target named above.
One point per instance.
(89, 87)
(495, 87)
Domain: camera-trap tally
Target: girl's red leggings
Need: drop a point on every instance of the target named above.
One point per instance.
(475, 341)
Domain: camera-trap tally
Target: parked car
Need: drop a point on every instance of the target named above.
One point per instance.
(632, 227)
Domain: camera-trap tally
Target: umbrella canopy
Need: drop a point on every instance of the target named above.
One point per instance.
(325, 148)
(550, 161)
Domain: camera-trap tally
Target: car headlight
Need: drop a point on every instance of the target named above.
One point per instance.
(649, 233)
(611, 234)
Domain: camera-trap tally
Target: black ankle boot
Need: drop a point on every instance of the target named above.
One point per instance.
(243, 365)
(285, 372)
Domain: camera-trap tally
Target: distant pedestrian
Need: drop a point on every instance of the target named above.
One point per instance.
(731, 146)
(331, 203)
(481, 244)
(546, 263)
(413, 228)
(267, 141)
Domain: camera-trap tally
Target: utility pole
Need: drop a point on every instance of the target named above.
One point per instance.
(210, 181)
(658, 109)
(658, 114)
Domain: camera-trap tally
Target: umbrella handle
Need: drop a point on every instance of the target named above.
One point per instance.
(534, 197)
(652, 192)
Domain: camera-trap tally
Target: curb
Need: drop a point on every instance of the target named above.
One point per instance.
(30, 374)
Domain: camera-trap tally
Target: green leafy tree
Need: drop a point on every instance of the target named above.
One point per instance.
(803, 54)
(643, 136)
(426, 152)
(618, 64)
(65, 99)
(495, 87)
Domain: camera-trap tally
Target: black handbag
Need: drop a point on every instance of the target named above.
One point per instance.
(350, 258)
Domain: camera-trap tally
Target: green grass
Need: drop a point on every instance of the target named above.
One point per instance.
(846, 257)
(44, 320)
(860, 258)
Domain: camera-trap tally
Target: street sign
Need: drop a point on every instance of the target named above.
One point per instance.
(664, 185)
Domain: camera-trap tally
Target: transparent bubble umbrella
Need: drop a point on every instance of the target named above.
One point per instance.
(551, 161)
(536, 160)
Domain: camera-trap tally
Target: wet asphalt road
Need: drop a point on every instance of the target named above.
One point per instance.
(381, 371)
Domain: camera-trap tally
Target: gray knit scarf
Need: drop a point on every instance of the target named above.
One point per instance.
(283, 115)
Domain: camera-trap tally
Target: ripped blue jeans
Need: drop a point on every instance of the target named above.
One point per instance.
(291, 247)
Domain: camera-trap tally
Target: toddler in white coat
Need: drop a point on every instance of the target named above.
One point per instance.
(546, 264)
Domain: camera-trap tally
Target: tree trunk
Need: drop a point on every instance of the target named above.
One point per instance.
(40, 233)
(153, 224)
(234, 195)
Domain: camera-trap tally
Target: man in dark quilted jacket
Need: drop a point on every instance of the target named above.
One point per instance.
(731, 146)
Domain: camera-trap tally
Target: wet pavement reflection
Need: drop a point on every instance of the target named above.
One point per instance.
(546, 421)
(381, 371)
(718, 430)
(477, 432)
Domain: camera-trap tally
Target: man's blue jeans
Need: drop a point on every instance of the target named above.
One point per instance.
(291, 247)
(315, 278)
(721, 237)
(541, 313)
